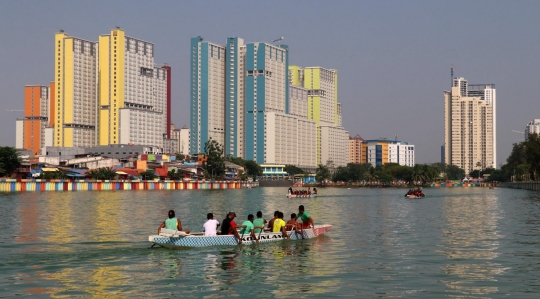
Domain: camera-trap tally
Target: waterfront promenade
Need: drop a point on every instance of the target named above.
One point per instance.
(13, 185)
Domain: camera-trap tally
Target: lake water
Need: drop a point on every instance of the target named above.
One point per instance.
(456, 243)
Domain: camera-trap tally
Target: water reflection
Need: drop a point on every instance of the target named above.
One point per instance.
(470, 240)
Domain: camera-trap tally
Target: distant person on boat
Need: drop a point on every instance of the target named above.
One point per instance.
(259, 222)
(290, 190)
(172, 223)
(279, 226)
(314, 190)
(248, 227)
(304, 216)
(292, 224)
(210, 226)
(228, 226)
(271, 222)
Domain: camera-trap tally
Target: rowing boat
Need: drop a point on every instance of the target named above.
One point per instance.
(301, 195)
(413, 196)
(177, 240)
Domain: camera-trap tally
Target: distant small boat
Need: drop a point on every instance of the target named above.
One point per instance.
(493, 188)
(301, 195)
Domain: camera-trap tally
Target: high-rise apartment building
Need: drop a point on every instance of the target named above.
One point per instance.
(207, 94)
(323, 108)
(30, 130)
(267, 91)
(355, 149)
(75, 91)
(470, 125)
(235, 78)
(533, 127)
(134, 93)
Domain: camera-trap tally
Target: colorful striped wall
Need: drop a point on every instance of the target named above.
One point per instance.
(13, 185)
(463, 185)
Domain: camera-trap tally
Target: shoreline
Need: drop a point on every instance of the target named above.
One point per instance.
(38, 185)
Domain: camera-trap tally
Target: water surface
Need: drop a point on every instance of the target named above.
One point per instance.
(456, 243)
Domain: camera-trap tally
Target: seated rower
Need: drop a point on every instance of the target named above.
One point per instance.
(304, 216)
(279, 225)
(229, 227)
(292, 224)
(259, 222)
(271, 222)
(248, 227)
(210, 226)
(172, 223)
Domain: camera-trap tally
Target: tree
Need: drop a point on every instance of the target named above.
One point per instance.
(453, 172)
(253, 169)
(174, 175)
(148, 174)
(103, 173)
(214, 166)
(322, 174)
(9, 160)
(292, 170)
(475, 173)
(341, 174)
(180, 157)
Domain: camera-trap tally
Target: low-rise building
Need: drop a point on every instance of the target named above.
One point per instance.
(382, 151)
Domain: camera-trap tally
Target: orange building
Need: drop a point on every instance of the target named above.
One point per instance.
(30, 130)
(355, 149)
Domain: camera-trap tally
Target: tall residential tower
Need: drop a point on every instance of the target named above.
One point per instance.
(470, 125)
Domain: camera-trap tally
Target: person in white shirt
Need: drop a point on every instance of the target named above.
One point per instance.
(210, 226)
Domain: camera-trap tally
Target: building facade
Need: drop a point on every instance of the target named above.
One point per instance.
(235, 106)
(75, 91)
(182, 135)
(470, 125)
(533, 127)
(355, 149)
(380, 152)
(30, 130)
(207, 97)
(133, 92)
(333, 146)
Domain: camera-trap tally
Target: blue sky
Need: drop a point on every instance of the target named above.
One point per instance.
(393, 57)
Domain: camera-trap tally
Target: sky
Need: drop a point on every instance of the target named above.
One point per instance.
(393, 57)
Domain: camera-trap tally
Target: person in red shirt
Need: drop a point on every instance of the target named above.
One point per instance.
(229, 227)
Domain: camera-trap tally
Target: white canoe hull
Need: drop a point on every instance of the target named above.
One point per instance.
(190, 241)
(301, 196)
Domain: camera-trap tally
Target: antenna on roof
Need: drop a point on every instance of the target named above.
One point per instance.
(278, 40)
(395, 139)
(452, 75)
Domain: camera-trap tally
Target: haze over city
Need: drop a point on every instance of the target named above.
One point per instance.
(393, 57)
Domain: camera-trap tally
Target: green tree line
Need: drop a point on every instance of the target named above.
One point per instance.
(523, 163)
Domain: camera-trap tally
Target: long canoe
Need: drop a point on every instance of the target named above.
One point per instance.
(301, 196)
(178, 240)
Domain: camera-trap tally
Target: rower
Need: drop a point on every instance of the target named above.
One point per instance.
(307, 221)
(259, 222)
(172, 223)
(248, 227)
(279, 226)
(229, 227)
(271, 222)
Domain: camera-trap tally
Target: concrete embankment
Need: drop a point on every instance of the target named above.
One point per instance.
(12, 185)
(533, 185)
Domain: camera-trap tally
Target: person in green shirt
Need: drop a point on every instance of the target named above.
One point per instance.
(304, 216)
(172, 223)
(259, 223)
(248, 227)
